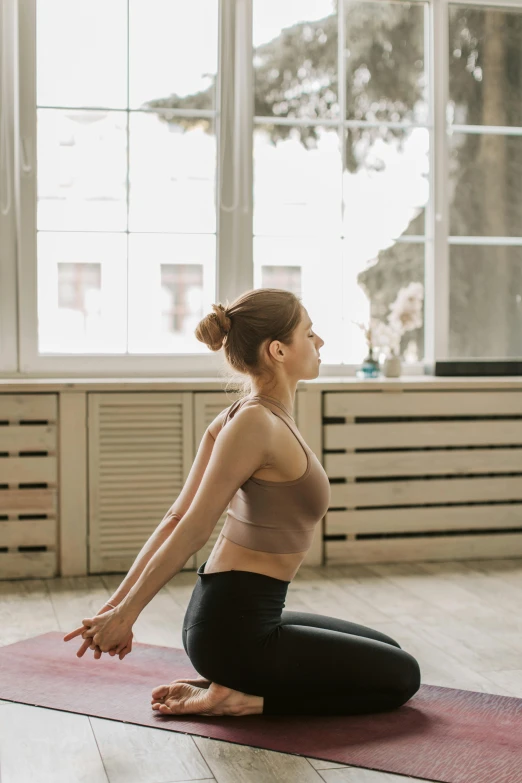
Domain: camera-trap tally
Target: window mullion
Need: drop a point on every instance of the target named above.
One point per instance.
(25, 168)
(437, 249)
(235, 122)
(8, 195)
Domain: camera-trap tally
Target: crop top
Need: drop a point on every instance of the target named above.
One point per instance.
(278, 516)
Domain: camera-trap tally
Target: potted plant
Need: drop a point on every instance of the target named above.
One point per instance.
(370, 367)
(405, 315)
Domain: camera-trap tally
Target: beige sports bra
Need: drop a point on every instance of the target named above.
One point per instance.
(278, 516)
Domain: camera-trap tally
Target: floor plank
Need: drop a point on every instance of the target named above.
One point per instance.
(242, 764)
(25, 610)
(138, 754)
(47, 746)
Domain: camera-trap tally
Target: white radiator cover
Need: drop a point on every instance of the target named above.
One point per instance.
(423, 475)
(28, 485)
(141, 448)
(417, 472)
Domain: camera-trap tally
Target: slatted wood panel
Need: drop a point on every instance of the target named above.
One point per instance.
(207, 405)
(140, 453)
(28, 485)
(423, 475)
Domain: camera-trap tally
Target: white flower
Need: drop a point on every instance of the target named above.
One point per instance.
(405, 314)
(406, 310)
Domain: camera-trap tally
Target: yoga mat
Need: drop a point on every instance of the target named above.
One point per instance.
(441, 734)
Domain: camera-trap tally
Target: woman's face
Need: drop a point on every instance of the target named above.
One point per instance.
(301, 358)
(310, 344)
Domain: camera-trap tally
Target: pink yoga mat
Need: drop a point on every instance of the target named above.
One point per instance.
(440, 734)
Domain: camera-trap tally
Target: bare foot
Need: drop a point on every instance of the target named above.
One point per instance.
(159, 693)
(181, 698)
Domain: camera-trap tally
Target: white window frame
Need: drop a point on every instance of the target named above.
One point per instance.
(234, 263)
(8, 200)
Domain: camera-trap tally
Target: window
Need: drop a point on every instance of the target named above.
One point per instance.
(361, 153)
(341, 160)
(485, 164)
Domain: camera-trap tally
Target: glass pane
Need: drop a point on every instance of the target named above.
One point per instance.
(297, 181)
(485, 62)
(485, 302)
(295, 58)
(288, 277)
(305, 266)
(82, 170)
(172, 174)
(173, 53)
(81, 53)
(389, 290)
(82, 299)
(385, 187)
(171, 287)
(485, 196)
(385, 62)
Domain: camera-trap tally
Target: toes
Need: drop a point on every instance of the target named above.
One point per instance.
(160, 691)
(180, 698)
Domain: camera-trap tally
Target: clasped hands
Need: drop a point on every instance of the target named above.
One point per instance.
(108, 631)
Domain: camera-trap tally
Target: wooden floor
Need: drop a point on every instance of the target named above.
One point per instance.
(461, 620)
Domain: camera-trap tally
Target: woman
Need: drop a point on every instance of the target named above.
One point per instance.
(252, 654)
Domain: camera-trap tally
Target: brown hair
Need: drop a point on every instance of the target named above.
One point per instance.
(263, 314)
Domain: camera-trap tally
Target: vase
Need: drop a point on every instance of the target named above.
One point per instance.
(370, 367)
(392, 366)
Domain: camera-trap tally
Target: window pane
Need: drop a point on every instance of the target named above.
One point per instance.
(385, 187)
(173, 53)
(81, 53)
(384, 61)
(295, 58)
(485, 195)
(172, 174)
(297, 181)
(171, 287)
(289, 277)
(82, 300)
(82, 170)
(485, 62)
(485, 302)
(312, 269)
(389, 289)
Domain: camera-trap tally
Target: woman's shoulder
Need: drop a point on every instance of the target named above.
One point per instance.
(247, 410)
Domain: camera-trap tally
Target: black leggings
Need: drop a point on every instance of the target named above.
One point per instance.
(236, 633)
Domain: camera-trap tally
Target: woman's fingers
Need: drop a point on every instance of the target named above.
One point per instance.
(117, 650)
(91, 640)
(73, 634)
(126, 648)
(85, 646)
(80, 630)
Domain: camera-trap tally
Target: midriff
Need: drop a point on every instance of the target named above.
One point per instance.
(228, 556)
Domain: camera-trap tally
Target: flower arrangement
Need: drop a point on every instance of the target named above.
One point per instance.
(405, 314)
(369, 333)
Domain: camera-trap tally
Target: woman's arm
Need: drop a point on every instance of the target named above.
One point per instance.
(175, 512)
(149, 549)
(241, 449)
(171, 556)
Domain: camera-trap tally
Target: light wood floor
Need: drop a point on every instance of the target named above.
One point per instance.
(461, 620)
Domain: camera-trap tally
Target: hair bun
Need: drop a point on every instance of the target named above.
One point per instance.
(223, 319)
